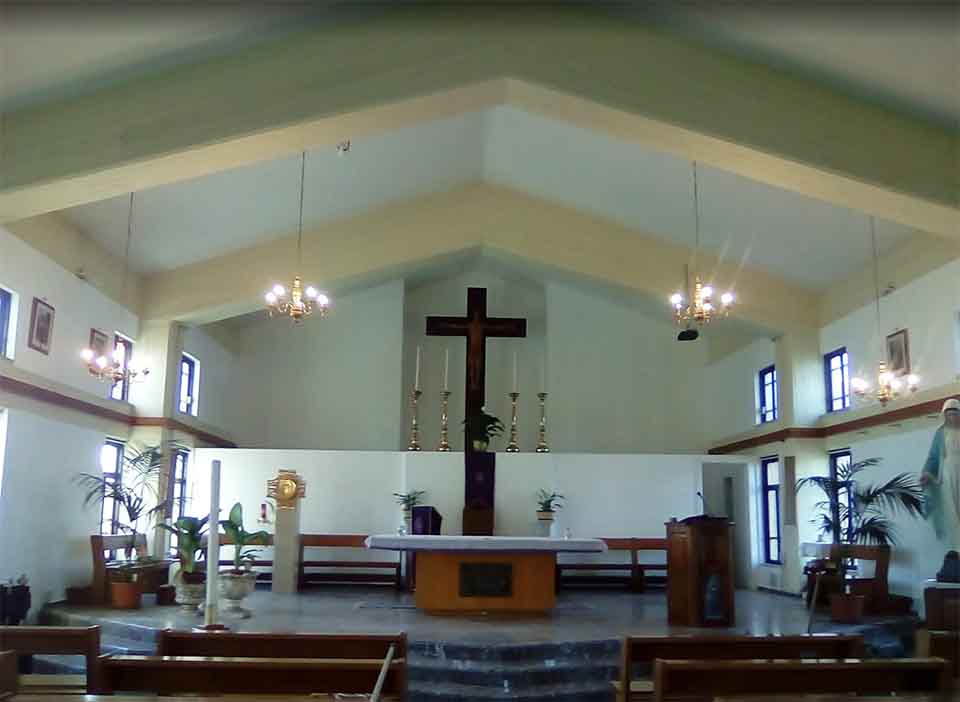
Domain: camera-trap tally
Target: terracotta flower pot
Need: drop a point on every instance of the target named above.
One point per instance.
(124, 595)
(234, 587)
(846, 609)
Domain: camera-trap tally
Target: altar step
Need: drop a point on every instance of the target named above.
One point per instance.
(581, 671)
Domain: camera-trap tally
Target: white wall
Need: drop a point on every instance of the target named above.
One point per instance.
(730, 403)
(619, 381)
(46, 531)
(325, 384)
(928, 307)
(78, 307)
(220, 370)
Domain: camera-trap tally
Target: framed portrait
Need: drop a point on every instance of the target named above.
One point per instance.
(99, 343)
(41, 326)
(898, 353)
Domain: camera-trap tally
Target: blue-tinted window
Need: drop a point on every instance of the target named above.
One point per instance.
(770, 494)
(189, 385)
(836, 369)
(6, 330)
(768, 395)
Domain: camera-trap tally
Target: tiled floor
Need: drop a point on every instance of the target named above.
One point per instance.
(580, 615)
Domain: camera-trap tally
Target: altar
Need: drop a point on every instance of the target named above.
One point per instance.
(473, 574)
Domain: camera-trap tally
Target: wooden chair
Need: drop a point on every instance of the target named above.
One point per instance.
(636, 572)
(640, 652)
(152, 575)
(249, 676)
(307, 579)
(9, 682)
(706, 679)
(879, 600)
(54, 640)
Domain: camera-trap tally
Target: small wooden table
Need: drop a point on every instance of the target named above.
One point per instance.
(473, 574)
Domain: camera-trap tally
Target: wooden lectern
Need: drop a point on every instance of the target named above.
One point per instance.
(700, 589)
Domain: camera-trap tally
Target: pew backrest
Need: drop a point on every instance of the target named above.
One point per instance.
(8, 674)
(54, 640)
(642, 651)
(248, 676)
(270, 645)
(684, 678)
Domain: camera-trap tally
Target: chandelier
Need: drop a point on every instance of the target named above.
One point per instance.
(297, 302)
(116, 368)
(695, 306)
(889, 385)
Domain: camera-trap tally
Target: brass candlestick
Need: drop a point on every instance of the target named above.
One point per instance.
(513, 446)
(542, 433)
(444, 444)
(414, 444)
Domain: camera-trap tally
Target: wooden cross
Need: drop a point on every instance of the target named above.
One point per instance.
(476, 326)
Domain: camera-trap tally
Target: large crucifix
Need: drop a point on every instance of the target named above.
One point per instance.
(476, 326)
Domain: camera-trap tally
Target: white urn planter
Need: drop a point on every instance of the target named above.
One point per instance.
(189, 595)
(234, 588)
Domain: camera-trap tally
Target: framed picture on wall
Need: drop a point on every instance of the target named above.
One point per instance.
(99, 343)
(898, 352)
(41, 326)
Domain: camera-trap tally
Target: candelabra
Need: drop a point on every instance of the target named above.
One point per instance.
(542, 433)
(513, 446)
(414, 444)
(444, 444)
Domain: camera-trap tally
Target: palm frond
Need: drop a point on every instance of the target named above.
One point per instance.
(875, 530)
(901, 493)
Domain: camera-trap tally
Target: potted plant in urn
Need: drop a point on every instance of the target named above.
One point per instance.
(407, 501)
(480, 428)
(189, 580)
(547, 504)
(126, 589)
(854, 513)
(239, 581)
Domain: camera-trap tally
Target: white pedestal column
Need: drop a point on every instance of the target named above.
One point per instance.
(286, 549)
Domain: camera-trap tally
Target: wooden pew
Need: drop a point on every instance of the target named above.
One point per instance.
(640, 652)
(305, 579)
(185, 675)
(8, 674)
(707, 679)
(941, 644)
(152, 574)
(54, 640)
(636, 572)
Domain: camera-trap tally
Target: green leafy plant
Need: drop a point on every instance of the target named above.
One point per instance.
(189, 533)
(482, 427)
(137, 491)
(549, 501)
(242, 539)
(853, 513)
(409, 500)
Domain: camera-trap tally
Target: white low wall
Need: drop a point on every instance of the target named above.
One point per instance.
(352, 491)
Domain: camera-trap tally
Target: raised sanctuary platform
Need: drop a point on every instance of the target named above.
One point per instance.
(571, 655)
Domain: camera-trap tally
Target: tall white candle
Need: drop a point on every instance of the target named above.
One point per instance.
(416, 378)
(213, 546)
(446, 369)
(543, 375)
(515, 378)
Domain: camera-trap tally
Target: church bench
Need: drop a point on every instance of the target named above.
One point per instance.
(53, 640)
(636, 572)
(8, 674)
(152, 574)
(188, 675)
(706, 679)
(941, 644)
(639, 652)
(320, 570)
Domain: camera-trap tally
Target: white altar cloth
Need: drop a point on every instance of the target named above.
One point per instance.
(512, 544)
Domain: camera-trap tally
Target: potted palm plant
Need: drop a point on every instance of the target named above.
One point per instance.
(547, 504)
(190, 579)
(480, 428)
(240, 581)
(856, 513)
(407, 501)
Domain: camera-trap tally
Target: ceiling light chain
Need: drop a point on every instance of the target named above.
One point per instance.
(889, 386)
(116, 368)
(298, 302)
(697, 309)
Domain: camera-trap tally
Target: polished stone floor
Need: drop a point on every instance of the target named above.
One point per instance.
(581, 615)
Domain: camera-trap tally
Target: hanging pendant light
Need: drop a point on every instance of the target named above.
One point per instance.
(297, 302)
(694, 308)
(889, 386)
(116, 368)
